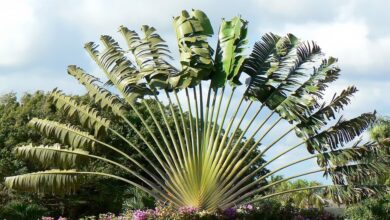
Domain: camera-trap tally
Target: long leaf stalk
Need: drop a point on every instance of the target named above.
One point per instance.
(259, 190)
(190, 119)
(168, 183)
(176, 168)
(286, 192)
(257, 157)
(172, 176)
(190, 166)
(220, 146)
(253, 183)
(145, 180)
(184, 173)
(214, 143)
(202, 117)
(184, 189)
(222, 160)
(207, 119)
(238, 161)
(169, 147)
(211, 136)
(231, 190)
(253, 173)
(210, 121)
(181, 152)
(184, 127)
(234, 148)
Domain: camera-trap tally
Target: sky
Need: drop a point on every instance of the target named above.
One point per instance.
(39, 39)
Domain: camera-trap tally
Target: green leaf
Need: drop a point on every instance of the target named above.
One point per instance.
(87, 116)
(192, 31)
(340, 133)
(53, 155)
(67, 134)
(229, 56)
(118, 69)
(44, 182)
(354, 193)
(150, 54)
(101, 96)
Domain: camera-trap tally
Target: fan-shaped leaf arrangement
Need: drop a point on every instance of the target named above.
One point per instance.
(197, 162)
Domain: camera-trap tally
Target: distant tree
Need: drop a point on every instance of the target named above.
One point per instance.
(380, 132)
(377, 208)
(301, 199)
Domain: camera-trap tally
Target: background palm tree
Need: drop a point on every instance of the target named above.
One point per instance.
(304, 199)
(198, 161)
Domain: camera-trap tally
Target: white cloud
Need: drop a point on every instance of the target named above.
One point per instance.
(349, 41)
(19, 27)
(298, 10)
(33, 80)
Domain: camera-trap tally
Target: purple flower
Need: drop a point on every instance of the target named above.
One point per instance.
(187, 210)
(230, 212)
(249, 207)
(140, 215)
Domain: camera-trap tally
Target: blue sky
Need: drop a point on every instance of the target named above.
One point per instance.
(39, 39)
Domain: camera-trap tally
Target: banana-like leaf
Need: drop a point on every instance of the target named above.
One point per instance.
(352, 173)
(229, 54)
(269, 66)
(315, 121)
(367, 151)
(55, 155)
(67, 134)
(44, 182)
(150, 54)
(192, 31)
(87, 116)
(354, 193)
(294, 104)
(101, 96)
(342, 132)
(118, 69)
(303, 100)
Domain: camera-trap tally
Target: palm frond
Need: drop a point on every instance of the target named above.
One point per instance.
(87, 116)
(150, 54)
(45, 182)
(55, 155)
(192, 31)
(67, 134)
(316, 120)
(352, 173)
(118, 69)
(229, 54)
(101, 96)
(272, 74)
(354, 193)
(356, 153)
(342, 132)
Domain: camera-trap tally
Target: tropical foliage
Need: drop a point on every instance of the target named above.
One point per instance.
(305, 199)
(376, 208)
(196, 161)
